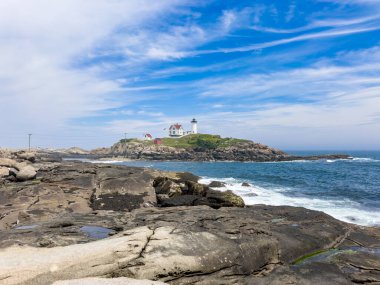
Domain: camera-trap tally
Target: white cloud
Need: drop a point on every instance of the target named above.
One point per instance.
(41, 89)
(44, 87)
(291, 12)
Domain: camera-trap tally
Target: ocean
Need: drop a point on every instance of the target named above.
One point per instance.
(348, 190)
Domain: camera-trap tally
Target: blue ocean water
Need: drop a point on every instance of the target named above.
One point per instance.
(348, 190)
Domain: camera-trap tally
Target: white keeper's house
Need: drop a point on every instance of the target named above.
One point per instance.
(177, 130)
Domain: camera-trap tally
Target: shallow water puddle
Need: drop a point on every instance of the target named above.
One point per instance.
(326, 255)
(373, 250)
(96, 232)
(29, 227)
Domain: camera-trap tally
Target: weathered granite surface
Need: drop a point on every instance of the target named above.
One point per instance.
(108, 281)
(79, 220)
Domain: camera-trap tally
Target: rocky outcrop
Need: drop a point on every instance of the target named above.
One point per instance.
(26, 173)
(217, 184)
(181, 192)
(19, 167)
(240, 151)
(75, 187)
(81, 220)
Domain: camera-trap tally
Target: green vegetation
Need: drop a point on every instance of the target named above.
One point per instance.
(192, 141)
(129, 140)
(310, 255)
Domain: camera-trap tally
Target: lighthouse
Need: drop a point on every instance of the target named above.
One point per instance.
(194, 126)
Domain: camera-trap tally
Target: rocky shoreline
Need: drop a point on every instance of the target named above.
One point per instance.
(241, 151)
(75, 220)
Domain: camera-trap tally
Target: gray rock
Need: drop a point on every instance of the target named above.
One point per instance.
(4, 172)
(7, 162)
(217, 199)
(194, 188)
(169, 187)
(184, 200)
(26, 173)
(217, 184)
(13, 171)
(24, 155)
(108, 281)
(245, 184)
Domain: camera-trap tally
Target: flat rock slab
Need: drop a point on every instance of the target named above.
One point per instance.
(73, 187)
(108, 281)
(201, 245)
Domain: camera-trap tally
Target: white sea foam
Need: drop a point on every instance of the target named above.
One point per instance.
(365, 159)
(288, 161)
(345, 209)
(105, 161)
(354, 159)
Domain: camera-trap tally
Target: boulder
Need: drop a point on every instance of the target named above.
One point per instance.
(217, 184)
(13, 171)
(26, 173)
(184, 200)
(25, 155)
(245, 184)
(194, 188)
(173, 192)
(217, 199)
(7, 162)
(168, 187)
(4, 172)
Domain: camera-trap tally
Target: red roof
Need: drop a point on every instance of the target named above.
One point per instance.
(177, 126)
(148, 135)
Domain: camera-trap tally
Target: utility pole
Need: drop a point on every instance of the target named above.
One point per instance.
(125, 136)
(30, 135)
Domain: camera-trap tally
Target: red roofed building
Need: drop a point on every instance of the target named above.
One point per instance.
(176, 130)
(148, 137)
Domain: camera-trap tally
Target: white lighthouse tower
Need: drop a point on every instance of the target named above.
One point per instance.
(194, 126)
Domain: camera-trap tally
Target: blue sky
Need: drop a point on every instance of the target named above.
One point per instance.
(290, 74)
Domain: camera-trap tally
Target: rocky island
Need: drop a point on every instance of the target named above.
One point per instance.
(108, 224)
(194, 147)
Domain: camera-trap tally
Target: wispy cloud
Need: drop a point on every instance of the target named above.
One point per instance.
(40, 40)
(311, 36)
(291, 12)
(321, 23)
(355, 71)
